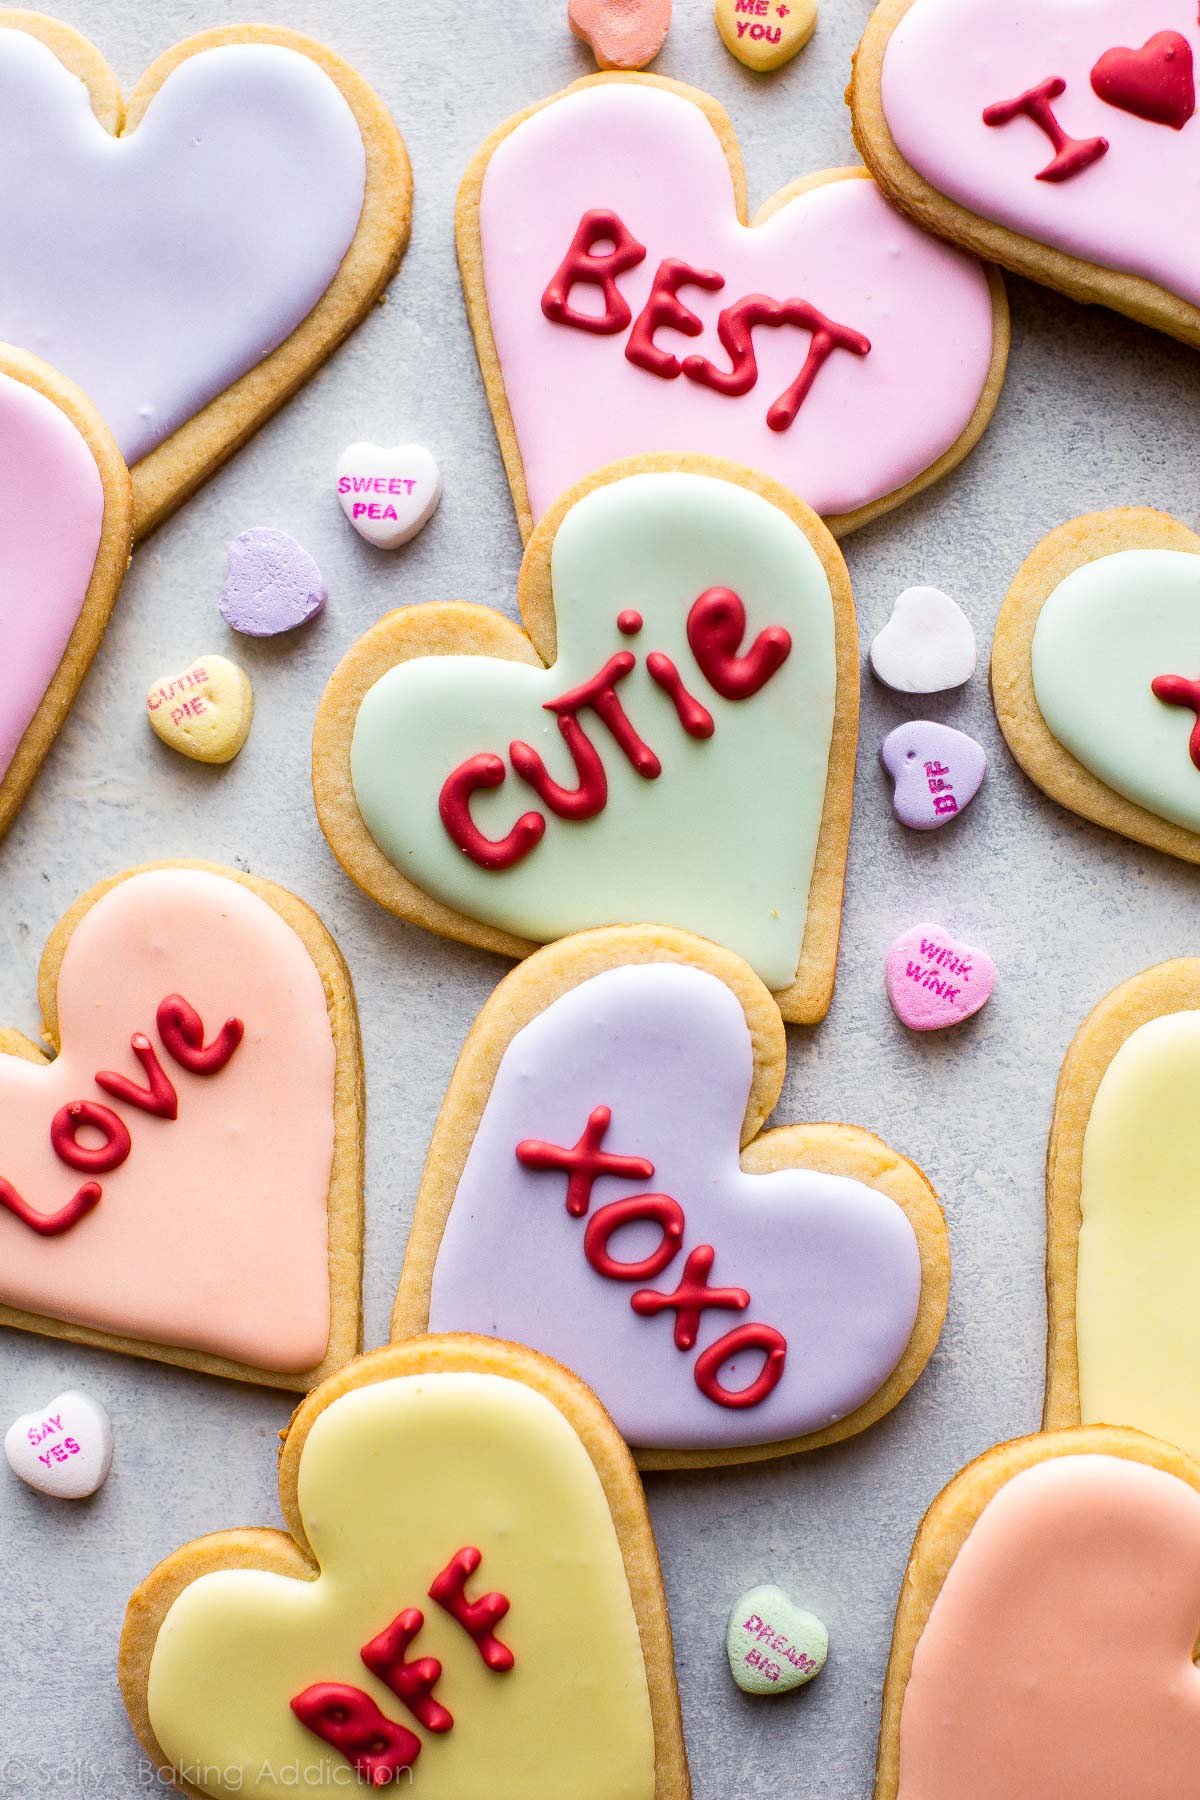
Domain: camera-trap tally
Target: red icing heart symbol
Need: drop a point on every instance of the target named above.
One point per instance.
(1155, 82)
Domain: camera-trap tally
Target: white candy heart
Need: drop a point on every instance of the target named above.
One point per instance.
(773, 1644)
(926, 646)
(388, 494)
(63, 1448)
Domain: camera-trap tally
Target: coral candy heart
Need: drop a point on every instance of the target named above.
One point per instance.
(622, 34)
(1155, 82)
(937, 772)
(388, 495)
(63, 1448)
(765, 34)
(926, 646)
(273, 584)
(934, 981)
(773, 1645)
(205, 711)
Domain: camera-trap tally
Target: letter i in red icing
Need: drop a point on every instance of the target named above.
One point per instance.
(477, 1617)
(1071, 155)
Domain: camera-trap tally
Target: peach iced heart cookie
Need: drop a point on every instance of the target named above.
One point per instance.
(66, 521)
(598, 1187)
(1047, 1625)
(690, 658)
(183, 1181)
(469, 1601)
(1095, 668)
(1058, 139)
(156, 286)
(1123, 1235)
(621, 306)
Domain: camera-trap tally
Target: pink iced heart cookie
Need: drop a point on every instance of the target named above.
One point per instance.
(934, 981)
(832, 345)
(598, 1188)
(184, 1180)
(1059, 139)
(66, 521)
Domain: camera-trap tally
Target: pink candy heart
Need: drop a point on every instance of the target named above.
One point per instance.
(933, 980)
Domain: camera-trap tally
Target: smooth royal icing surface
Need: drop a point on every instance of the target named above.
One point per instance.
(1136, 209)
(704, 846)
(829, 1263)
(213, 1233)
(155, 269)
(1139, 1240)
(1103, 636)
(1057, 1659)
(394, 1479)
(869, 424)
(51, 517)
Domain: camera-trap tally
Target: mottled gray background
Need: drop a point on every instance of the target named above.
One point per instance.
(1096, 412)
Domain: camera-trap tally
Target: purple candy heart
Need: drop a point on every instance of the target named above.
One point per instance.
(273, 584)
(937, 772)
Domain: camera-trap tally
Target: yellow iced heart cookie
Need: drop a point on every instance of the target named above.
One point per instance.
(205, 711)
(764, 34)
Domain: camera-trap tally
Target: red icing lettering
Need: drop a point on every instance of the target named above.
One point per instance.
(55, 1223)
(584, 1161)
(664, 309)
(411, 1682)
(742, 1338)
(478, 1618)
(582, 264)
(157, 1097)
(1177, 690)
(600, 694)
(454, 804)
(656, 1209)
(350, 1722)
(182, 1032)
(696, 720)
(90, 1159)
(692, 1297)
(735, 327)
(1071, 155)
(629, 622)
(1156, 83)
(715, 628)
(582, 802)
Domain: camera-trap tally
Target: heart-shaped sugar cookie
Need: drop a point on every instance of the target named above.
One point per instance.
(584, 1193)
(137, 257)
(1047, 1625)
(686, 756)
(1123, 1256)
(184, 1180)
(1059, 139)
(469, 1601)
(1094, 674)
(66, 522)
(621, 306)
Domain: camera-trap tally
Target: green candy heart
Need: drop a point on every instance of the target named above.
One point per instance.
(773, 1644)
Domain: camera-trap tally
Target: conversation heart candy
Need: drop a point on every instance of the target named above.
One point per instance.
(205, 711)
(934, 981)
(621, 34)
(63, 1448)
(773, 1644)
(273, 584)
(937, 772)
(388, 494)
(926, 646)
(765, 34)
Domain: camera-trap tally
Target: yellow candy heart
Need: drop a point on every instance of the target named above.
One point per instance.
(764, 34)
(205, 711)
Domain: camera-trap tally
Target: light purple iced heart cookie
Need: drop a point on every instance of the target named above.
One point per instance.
(937, 772)
(273, 584)
(934, 981)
